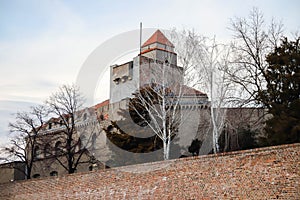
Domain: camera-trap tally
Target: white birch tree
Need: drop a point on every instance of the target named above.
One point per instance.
(157, 105)
(213, 60)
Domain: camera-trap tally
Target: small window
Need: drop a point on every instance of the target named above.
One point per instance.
(84, 116)
(37, 152)
(117, 80)
(93, 167)
(50, 125)
(47, 150)
(110, 128)
(58, 148)
(101, 117)
(54, 173)
(36, 176)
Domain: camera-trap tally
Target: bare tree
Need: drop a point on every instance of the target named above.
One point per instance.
(156, 105)
(64, 105)
(159, 103)
(254, 39)
(188, 45)
(213, 61)
(24, 143)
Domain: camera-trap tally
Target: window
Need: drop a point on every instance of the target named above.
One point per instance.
(58, 148)
(47, 150)
(93, 167)
(110, 128)
(94, 139)
(37, 152)
(101, 117)
(36, 176)
(84, 116)
(50, 125)
(54, 173)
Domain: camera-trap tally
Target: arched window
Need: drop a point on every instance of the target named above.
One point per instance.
(101, 117)
(84, 116)
(47, 150)
(36, 176)
(54, 173)
(37, 152)
(58, 148)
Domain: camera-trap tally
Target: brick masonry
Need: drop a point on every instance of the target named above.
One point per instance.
(266, 173)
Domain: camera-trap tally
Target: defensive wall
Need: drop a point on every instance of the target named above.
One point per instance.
(265, 173)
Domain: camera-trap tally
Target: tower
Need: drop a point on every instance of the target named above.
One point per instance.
(156, 63)
(159, 48)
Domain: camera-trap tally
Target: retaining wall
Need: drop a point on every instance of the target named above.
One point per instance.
(266, 173)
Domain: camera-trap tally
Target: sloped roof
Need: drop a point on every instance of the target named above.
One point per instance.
(158, 37)
(189, 91)
(104, 103)
(180, 90)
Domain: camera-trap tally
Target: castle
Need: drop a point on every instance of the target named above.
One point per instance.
(156, 64)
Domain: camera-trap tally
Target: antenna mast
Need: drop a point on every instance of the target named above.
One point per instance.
(140, 38)
(140, 43)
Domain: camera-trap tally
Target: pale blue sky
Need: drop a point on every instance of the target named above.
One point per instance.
(43, 44)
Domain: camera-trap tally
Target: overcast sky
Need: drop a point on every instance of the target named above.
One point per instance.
(43, 44)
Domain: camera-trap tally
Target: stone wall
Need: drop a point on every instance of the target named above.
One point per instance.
(266, 173)
(11, 172)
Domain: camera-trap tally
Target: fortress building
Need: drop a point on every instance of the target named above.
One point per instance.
(155, 65)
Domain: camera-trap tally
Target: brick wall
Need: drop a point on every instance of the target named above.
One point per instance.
(267, 173)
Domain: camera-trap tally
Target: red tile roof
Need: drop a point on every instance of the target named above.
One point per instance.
(180, 90)
(158, 37)
(148, 50)
(189, 91)
(104, 103)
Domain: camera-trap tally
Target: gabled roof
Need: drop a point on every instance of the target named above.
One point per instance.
(158, 37)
